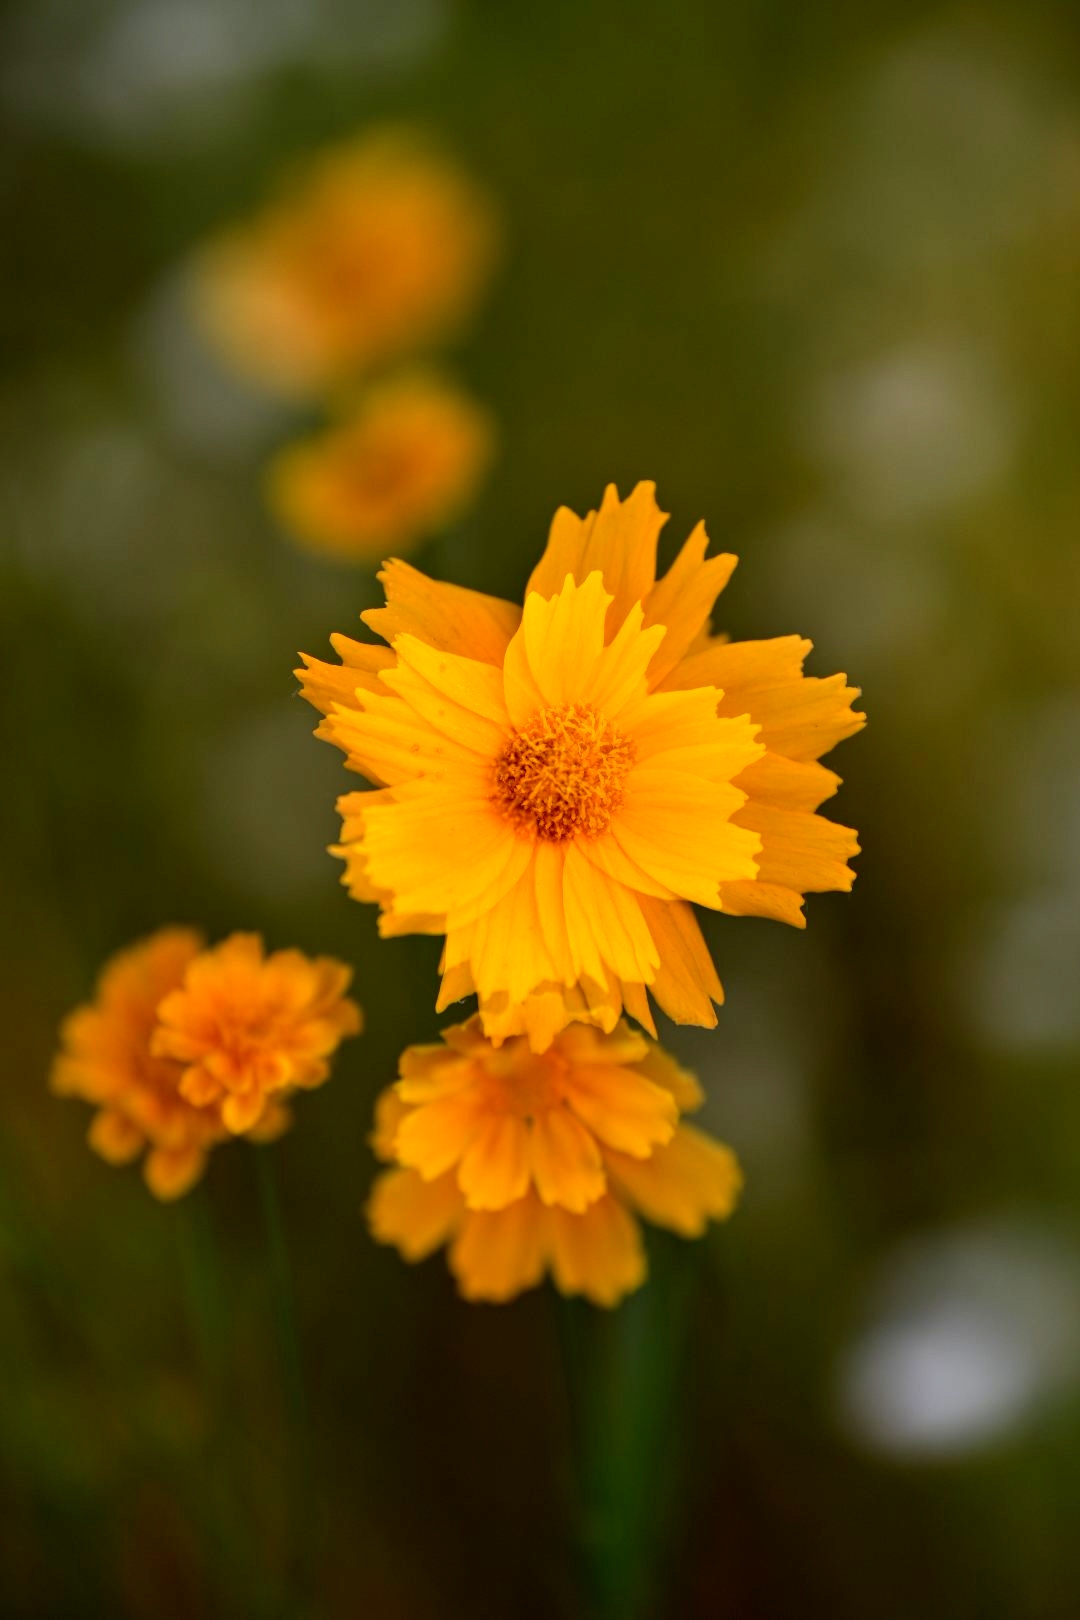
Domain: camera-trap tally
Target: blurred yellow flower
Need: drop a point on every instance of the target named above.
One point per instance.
(115, 1054)
(105, 1058)
(248, 1029)
(398, 468)
(556, 784)
(370, 249)
(527, 1163)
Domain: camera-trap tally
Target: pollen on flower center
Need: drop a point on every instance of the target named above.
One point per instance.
(561, 776)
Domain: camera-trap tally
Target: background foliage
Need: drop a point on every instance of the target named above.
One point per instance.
(815, 270)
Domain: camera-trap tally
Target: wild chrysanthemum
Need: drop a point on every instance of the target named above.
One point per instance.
(105, 1058)
(396, 469)
(371, 249)
(526, 1163)
(556, 784)
(113, 1053)
(248, 1029)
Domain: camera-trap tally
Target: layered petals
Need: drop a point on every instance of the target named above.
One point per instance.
(559, 785)
(248, 1028)
(180, 1050)
(369, 250)
(398, 466)
(525, 1165)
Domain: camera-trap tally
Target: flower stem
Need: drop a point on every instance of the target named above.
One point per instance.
(231, 1564)
(300, 1473)
(625, 1393)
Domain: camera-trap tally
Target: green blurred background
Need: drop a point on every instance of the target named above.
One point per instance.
(816, 270)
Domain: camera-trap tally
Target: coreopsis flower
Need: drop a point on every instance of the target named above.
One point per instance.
(396, 469)
(249, 1029)
(106, 1059)
(113, 1053)
(525, 1163)
(371, 249)
(555, 785)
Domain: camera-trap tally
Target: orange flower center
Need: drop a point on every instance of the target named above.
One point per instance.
(562, 775)
(523, 1083)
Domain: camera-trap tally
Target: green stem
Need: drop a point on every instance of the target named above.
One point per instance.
(300, 1472)
(629, 1434)
(204, 1298)
(200, 1270)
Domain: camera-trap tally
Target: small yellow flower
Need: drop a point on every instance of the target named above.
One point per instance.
(105, 1058)
(372, 248)
(527, 1163)
(555, 785)
(395, 470)
(248, 1029)
(113, 1053)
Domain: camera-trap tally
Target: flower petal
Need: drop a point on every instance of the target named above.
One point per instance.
(494, 1169)
(598, 1254)
(683, 1186)
(499, 1254)
(416, 1216)
(565, 1160)
(445, 616)
(683, 600)
(619, 540)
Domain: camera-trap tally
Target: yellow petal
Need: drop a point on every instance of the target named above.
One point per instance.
(804, 852)
(171, 1172)
(683, 1186)
(617, 679)
(563, 638)
(389, 741)
(433, 1138)
(622, 1108)
(461, 697)
(800, 716)
(326, 684)
(686, 985)
(240, 1113)
(610, 858)
(683, 600)
(679, 828)
(605, 926)
(445, 616)
(494, 1170)
(664, 1070)
(636, 1001)
(498, 1254)
(787, 783)
(619, 541)
(414, 1215)
(565, 1161)
(598, 1254)
(114, 1137)
(407, 849)
(275, 1121)
(389, 1113)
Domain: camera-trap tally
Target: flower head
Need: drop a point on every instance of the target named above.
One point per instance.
(248, 1029)
(374, 247)
(106, 1059)
(526, 1163)
(113, 1055)
(556, 784)
(395, 470)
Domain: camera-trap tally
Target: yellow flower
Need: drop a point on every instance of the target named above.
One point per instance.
(106, 1059)
(526, 1163)
(372, 248)
(248, 1029)
(395, 470)
(556, 784)
(112, 1053)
